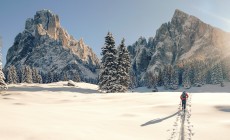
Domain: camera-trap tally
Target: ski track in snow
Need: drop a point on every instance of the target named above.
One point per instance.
(182, 127)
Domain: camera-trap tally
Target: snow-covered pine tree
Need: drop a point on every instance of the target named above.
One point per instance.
(34, 75)
(214, 75)
(49, 77)
(133, 79)
(12, 76)
(151, 79)
(108, 74)
(226, 68)
(9, 79)
(192, 72)
(167, 76)
(27, 75)
(23, 74)
(37, 78)
(217, 74)
(198, 74)
(19, 74)
(204, 72)
(175, 78)
(160, 78)
(56, 77)
(186, 78)
(3, 85)
(208, 65)
(123, 67)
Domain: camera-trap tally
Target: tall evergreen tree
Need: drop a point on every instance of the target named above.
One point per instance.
(108, 74)
(56, 77)
(216, 74)
(3, 85)
(49, 77)
(174, 84)
(27, 75)
(186, 78)
(12, 76)
(160, 78)
(123, 68)
(37, 78)
(198, 74)
(151, 79)
(167, 76)
(133, 79)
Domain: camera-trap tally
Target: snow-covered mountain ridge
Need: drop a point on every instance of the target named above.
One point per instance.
(185, 38)
(46, 46)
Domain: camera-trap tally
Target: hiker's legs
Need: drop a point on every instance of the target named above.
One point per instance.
(184, 104)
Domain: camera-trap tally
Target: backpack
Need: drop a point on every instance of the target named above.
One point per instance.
(184, 95)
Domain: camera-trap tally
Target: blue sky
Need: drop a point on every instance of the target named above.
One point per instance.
(92, 19)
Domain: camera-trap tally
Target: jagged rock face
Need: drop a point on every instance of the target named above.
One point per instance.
(184, 38)
(140, 54)
(46, 46)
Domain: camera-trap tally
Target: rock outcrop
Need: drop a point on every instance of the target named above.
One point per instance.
(46, 46)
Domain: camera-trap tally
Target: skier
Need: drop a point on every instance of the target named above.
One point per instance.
(183, 98)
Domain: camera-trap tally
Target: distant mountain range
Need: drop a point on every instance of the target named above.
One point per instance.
(183, 41)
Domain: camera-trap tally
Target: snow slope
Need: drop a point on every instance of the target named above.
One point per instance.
(58, 112)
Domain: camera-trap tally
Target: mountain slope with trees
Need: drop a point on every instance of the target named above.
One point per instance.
(184, 51)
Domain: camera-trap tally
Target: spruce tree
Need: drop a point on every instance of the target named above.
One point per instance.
(108, 74)
(217, 74)
(186, 78)
(56, 77)
(49, 77)
(175, 78)
(34, 75)
(3, 85)
(198, 74)
(8, 74)
(167, 76)
(133, 79)
(123, 68)
(151, 79)
(27, 75)
(37, 78)
(160, 78)
(12, 76)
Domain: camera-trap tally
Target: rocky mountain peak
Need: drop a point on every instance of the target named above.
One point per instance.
(48, 47)
(179, 14)
(47, 19)
(184, 38)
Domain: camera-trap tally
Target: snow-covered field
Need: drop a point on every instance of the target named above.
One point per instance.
(58, 112)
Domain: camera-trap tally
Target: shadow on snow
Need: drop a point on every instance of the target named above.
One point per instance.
(158, 120)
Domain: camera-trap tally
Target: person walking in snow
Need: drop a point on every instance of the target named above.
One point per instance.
(183, 98)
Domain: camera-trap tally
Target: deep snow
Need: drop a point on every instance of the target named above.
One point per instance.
(58, 112)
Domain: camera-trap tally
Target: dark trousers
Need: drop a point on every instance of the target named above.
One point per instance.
(183, 104)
